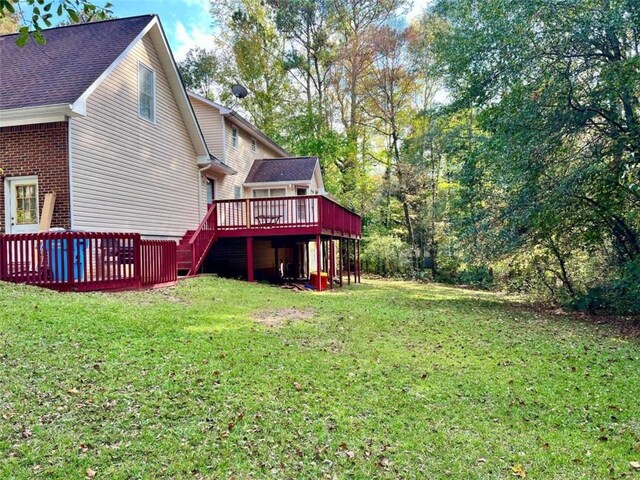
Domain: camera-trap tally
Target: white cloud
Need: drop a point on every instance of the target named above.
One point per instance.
(188, 38)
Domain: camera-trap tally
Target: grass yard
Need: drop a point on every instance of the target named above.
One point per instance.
(212, 379)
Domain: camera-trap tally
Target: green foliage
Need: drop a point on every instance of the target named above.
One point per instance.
(201, 72)
(552, 94)
(386, 255)
(42, 14)
(621, 295)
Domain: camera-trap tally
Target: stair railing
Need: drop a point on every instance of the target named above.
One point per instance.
(202, 239)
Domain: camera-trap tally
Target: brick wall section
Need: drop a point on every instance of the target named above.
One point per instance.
(40, 150)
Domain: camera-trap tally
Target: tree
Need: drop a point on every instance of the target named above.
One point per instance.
(388, 90)
(255, 58)
(554, 89)
(200, 71)
(42, 14)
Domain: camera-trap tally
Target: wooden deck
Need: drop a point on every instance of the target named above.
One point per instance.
(85, 261)
(303, 215)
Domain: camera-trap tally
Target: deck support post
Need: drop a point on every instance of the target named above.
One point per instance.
(348, 261)
(250, 259)
(319, 261)
(358, 266)
(340, 262)
(332, 262)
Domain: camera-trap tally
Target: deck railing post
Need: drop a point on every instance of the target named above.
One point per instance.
(3, 260)
(70, 250)
(137, 260)
(248, 212)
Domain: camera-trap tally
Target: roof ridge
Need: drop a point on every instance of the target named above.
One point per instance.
(82, 24)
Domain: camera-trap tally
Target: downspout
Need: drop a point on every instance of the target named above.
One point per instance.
(224, 140)
(200, 177)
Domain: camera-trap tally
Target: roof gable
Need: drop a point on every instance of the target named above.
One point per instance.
(240, 121)
(60, 71)
(71, 65)
(292, 169)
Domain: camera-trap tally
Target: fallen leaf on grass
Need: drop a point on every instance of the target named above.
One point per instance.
(297, 386)
(518, 471)
(635, 465)
(90, 473)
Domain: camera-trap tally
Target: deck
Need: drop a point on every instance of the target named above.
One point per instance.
(87, 261)
(304, 215)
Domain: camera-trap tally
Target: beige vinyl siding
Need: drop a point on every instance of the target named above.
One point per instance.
(314, 186)
(130, 174)
(213, 124)
(210, 122)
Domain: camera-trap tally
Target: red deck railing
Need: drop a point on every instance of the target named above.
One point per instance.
(288, 215)
(202, 239)
(86, 261)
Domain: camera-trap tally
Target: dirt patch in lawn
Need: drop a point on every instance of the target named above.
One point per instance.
(282, 316)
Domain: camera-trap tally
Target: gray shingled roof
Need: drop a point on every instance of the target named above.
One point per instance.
(293, 169)
(61, 70)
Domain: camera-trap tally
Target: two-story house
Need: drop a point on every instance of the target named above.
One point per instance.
(99, 116)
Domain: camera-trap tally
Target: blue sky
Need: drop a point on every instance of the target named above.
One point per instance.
(187, 23)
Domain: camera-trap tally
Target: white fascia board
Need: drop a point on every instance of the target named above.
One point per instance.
(115, 63)
(43, 114)
(161, 44)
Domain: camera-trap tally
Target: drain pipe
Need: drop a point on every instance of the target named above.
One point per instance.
(200, 172)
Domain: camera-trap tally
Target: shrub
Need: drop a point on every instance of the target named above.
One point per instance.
(386, 255)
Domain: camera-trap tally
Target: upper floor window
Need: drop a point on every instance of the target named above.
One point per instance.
(237, 191)
(253, 145)
(146, 93)
(234, 137)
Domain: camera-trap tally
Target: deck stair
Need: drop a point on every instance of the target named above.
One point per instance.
(194, 246)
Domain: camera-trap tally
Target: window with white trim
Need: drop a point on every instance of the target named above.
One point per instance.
(253, 145)
(146, 93)
(269, 192)
(234, 137)
(237, 192)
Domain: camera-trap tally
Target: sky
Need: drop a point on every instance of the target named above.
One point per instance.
(188, 23)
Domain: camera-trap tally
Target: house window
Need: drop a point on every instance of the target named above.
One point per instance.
(253, 145)
(269, 192)
(146, 93)
(234, 137)
(237, 192)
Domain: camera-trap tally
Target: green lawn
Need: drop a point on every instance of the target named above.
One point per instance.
(384, 380)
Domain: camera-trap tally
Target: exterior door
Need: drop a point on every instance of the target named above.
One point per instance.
(211, 191)
(21, 204)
